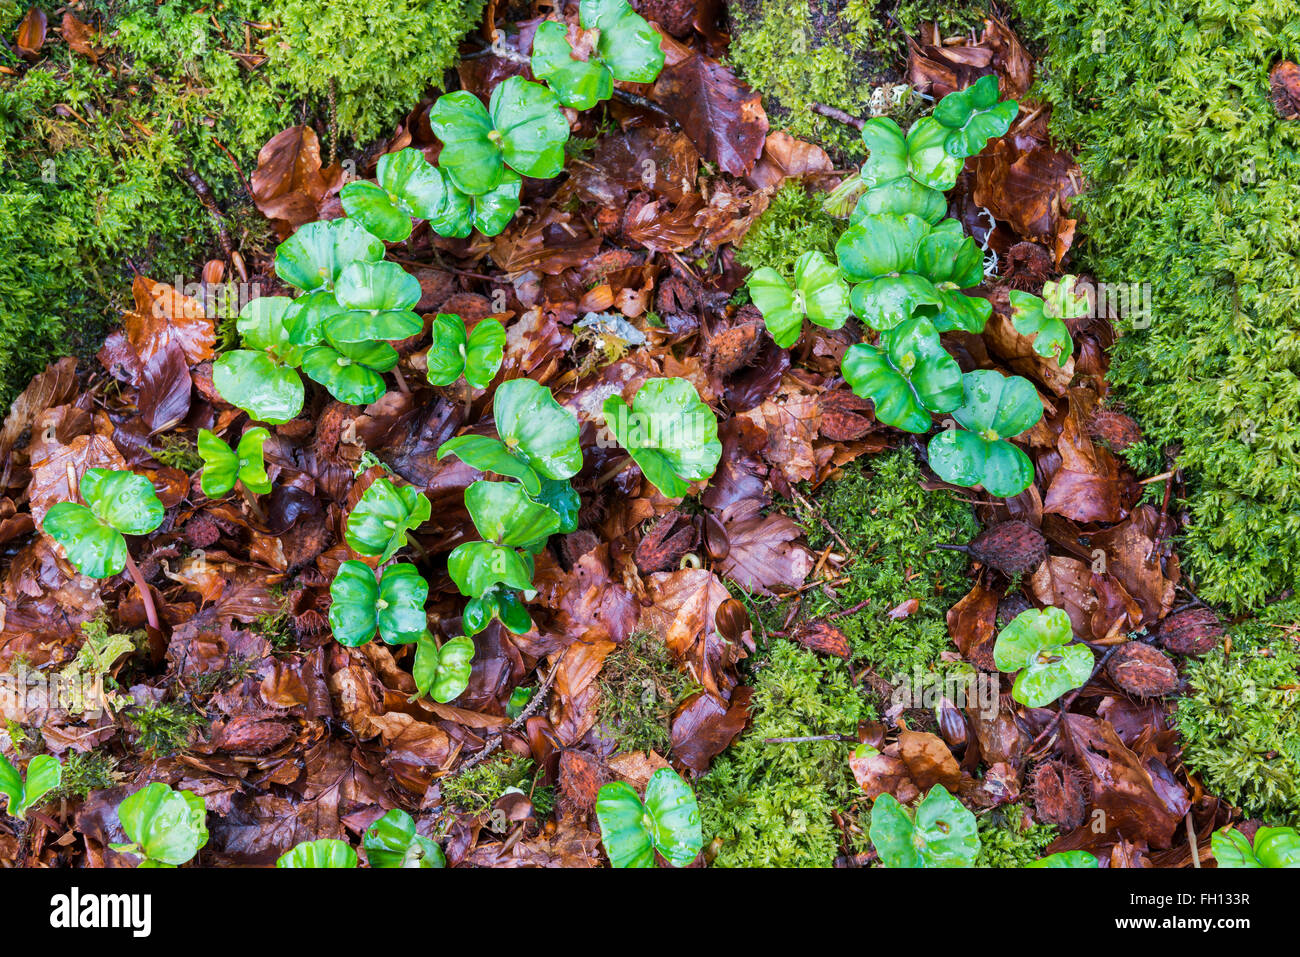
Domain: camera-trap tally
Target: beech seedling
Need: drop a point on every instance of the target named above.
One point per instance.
(224, 466)
(994, 408)
(166, 827)
(671, 434)
(941, 832)
(92, 535)
(1036, 646)
(26, 790)
(667, 822)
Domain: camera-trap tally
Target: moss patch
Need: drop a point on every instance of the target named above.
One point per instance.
(792, 225)
(891, 524)
(93, 155)
(1241, 721)
(1193, 178)
(835, 53)
(773, 804)
(1005, 841)
(639, 688)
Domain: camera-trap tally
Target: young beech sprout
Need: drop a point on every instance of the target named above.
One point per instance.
(378, 524)
(442, 671)
(538, 438)
(25, 791)
(974, 116)
(224, 466)
(1066, 859)
(820, 295)
(408, 187)
(376, 302)
(393, 605)
(317, 253)
(326, 852)
(392, 842)
(1037, 645)
(908, 376)
(1273, 847)
(259, 377)
(522, 128)
(1043, 319)
(166, 828)
(626, 48)
(455, 352)
(941, 832)
(670, 433)
(667, 822)
(92, 535)
(994, 408)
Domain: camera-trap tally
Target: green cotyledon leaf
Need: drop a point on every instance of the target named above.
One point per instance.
(315, 255)
(391, 841)
(669, 432)
(165, 826)
(1036, 644)
(819, 294)
(443, 672)
(379, 522)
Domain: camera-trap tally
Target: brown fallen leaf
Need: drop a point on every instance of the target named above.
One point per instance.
(722, 116)
(929, 761)
(81, 37)
(31, 33)
(1284, 82)
(290, 181)
(822, 636)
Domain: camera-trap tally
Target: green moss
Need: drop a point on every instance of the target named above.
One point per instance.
(177, 452)
(1006, 842)
(474, 791)
(837, 53)
(93, 155)
(793, 224)
(1241, 721)
(773, 804)
(640, 686)
(87, 771)
(162, 730)
(891, 525)
(1193, 178)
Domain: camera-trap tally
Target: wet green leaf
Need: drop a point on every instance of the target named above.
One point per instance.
(940, 833)
(974, 116)
(165, 826)
(222, 466)
(315, 255)
(476, 355)
(819, 294)
(668, 822)
(318, 854)
(350, 371)
(578, 84)
(906, 377)
(628, 45)
(1037, 645)
(386, 512)
(538, 429)
(43, 775)
(394, 605)
(443, 673)
(669, 432)
(392, 842)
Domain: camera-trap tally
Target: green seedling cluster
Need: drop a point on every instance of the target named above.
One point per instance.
(667, 822)
(166, 828)
(901, 269)
(940, 832)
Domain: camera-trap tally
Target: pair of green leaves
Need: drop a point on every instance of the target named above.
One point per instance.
(1274, 847)
(904, 266)
(668, 821)
(500, 603)
(994, 408)
(475, 355)
(392, 842)
(538, 437)
(223, 466)
(25, 791)
(974, 116)
(669, 432)
(819, 295)
(378, 524)
(393, 605)
(91, 535)
(627, 49)
(317, 253)
(508, 520)
(908, 376)
(940, 833)
(324, 853)
(259, 377)
(443, 672)
(1066, 859)
(522, 128)
(409, 186)
(166, 828)
(1043, 319)
(1037, 645)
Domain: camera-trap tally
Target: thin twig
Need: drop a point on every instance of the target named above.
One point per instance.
(811, 737)
(803, 502)
(494, 742)
(831, 113)
(1191, 839)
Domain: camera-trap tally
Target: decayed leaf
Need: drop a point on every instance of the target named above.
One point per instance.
(972, 623)
(31, 33)
(723, 117)
(764, 552)
(684, 612)
(162, 316)
(81, 37)
(785, 157)
(290, 181)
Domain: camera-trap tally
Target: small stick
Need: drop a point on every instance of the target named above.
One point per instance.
(1191, 839)
(839, 116)
(150, 612)
(848, 611)
(798, 497)
(811, 737)
(495, 742)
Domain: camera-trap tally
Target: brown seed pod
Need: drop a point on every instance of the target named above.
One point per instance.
(845, 416)
(1009, 606)
(1058, 793)
(1191, 632)
(1013, 548)
(732, 349)
(1284, 82)
(1114, 428)
(952, 724)
(1142, 670)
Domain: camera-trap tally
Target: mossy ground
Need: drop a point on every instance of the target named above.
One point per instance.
(793, 224)
(639, 688)
(474, 791)
(93, 154)
(774, 805)
(1192, 181)
(1241, 721)
(836, 53)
